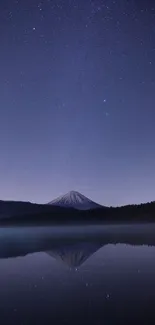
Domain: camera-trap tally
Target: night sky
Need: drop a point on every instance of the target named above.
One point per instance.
(77, 100)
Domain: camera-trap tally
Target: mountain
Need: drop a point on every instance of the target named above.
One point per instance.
(73, 208)
(75, 200)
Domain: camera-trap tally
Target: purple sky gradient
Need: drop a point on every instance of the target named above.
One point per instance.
(77, 103)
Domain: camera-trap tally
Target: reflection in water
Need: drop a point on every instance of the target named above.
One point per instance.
(73, 245)
(76, 254)
(115, 282)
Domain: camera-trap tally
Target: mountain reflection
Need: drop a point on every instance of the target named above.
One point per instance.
(75, 255)
(72, 248)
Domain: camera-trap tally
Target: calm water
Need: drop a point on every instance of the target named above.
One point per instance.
(77, 275)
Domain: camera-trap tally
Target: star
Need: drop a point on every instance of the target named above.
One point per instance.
(107, 296)
(75, 56)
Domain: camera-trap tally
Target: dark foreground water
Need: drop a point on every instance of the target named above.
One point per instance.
(82, 275)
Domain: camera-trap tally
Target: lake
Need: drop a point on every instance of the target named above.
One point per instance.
(77, 275)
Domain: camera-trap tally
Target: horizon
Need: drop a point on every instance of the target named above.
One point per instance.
(74, 191)
(77, 101)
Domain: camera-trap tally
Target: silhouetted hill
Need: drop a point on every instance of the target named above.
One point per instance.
(11, 209)
(25, 212)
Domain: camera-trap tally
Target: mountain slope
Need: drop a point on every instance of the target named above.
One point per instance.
(75, 200)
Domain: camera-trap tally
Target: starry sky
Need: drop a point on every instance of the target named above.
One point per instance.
(77, 100)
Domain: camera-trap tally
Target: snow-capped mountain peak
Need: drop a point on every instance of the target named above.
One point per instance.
(75, 200)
